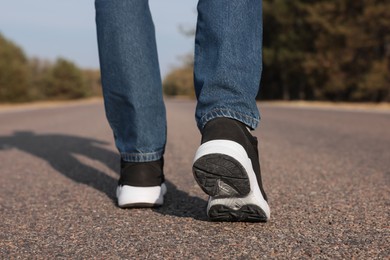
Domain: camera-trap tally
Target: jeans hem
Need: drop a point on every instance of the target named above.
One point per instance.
(251, 121)
(142, 157)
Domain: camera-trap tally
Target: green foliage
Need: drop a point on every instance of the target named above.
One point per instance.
(375, 83)
(13, 72)
(180, 81)
(336, 50)
(326, 49)
(38, 70)
(64, 81)
(23, 79)
(93, 81)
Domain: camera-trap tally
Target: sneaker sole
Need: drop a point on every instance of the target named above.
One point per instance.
(140, 197)
(223, 170)
(247, 213)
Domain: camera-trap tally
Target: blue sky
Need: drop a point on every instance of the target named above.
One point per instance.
(51, 28)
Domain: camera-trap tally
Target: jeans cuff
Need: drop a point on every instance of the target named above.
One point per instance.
(142, 157)
(251, 121)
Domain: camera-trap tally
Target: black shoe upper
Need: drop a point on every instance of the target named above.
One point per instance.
(233, 130)
(142, 174)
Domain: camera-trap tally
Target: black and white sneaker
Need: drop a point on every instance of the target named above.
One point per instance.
(141, 185)
(226, 166)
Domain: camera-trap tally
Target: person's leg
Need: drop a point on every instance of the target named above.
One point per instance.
(131, 78)
(228, 60)
(227, 74)
(133, 97)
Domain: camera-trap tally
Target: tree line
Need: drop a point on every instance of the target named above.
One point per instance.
(337, 50)
(23, 79)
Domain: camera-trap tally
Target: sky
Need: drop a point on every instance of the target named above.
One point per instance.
(49, 29)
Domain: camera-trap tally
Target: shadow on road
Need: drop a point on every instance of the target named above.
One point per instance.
(180, 204)
(60, 150)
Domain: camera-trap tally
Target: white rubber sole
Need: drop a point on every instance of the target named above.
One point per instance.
(234, 202)
(131, 196)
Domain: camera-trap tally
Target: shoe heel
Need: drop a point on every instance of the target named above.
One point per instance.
(221, 176)
(247, 213)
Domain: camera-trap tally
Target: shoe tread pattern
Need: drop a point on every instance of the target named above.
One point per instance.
(247, 213)
(221, 176)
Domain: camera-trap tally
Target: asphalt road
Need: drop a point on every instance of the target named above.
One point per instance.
(326, 172)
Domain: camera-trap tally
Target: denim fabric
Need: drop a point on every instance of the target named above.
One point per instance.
(227, 70)
(228, 60)
(131, 78)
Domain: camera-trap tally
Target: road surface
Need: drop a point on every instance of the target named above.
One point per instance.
(326, 172)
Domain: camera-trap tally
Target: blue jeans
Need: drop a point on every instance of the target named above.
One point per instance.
(227, 70)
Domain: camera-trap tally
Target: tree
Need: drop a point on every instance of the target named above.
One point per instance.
(326, 49)
(287, 39)
(93, 81)
(14, 72)
(180, 81)
(38, 70)
(23, 79)
(64, 81)
(350, 46)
